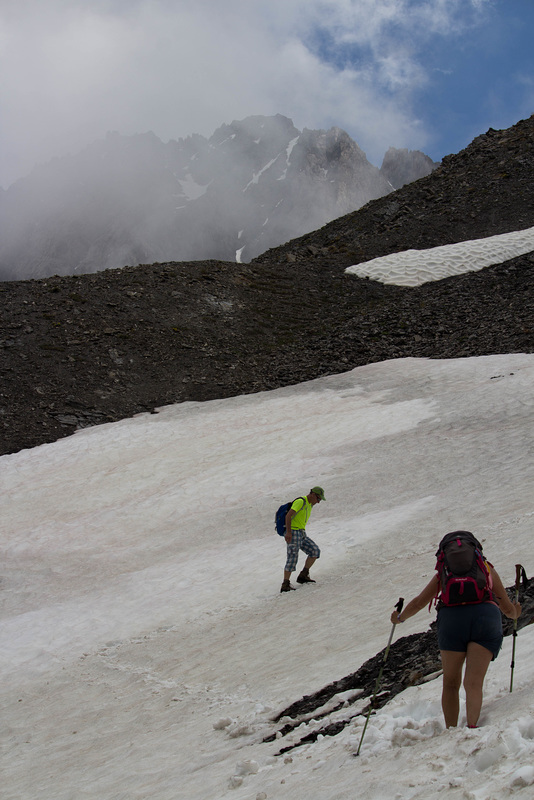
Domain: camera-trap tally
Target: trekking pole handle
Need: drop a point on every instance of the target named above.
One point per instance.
(399, 605)
(518, 572)
(518, 569)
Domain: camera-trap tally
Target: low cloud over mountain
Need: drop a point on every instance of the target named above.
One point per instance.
(252, 185)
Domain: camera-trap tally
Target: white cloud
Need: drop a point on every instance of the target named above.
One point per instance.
(74, 70)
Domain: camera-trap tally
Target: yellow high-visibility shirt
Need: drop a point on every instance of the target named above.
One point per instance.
(298, 523)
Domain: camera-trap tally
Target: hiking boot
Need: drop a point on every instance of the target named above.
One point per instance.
(304, 577)
(286, 587)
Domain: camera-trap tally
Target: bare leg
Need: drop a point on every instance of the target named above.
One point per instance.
(476, 665)
(309, 561)
(452, 663)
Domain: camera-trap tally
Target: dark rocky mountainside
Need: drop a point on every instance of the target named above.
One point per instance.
(133, 199)
(79, 350)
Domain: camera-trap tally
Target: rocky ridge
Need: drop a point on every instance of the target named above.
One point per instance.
(80, 350)
(483, 190)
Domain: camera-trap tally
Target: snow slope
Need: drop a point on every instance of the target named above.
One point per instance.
(145, 646)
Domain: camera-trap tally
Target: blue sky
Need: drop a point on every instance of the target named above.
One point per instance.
(421, 74)
(484, 80)
(473, 71)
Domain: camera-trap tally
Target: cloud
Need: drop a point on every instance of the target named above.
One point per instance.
(75, 69)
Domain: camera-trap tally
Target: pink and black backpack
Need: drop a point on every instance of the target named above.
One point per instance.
(464, 575)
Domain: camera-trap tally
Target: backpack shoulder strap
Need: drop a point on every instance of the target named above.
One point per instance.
(303, 506)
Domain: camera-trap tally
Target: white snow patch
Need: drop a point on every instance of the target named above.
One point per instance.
(257, 175)
(415, 267)
(289, 150)
(191, 189)
(291, 147)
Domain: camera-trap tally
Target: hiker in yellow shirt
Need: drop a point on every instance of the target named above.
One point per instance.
(297, 539)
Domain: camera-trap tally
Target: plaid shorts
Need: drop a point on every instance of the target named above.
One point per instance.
(299, 541)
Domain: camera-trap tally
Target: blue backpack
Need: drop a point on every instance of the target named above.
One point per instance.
(280, 516)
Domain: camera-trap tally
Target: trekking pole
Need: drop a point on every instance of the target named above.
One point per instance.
(518, 570)
(379, 676)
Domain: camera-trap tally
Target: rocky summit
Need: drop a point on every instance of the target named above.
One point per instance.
(85, 349)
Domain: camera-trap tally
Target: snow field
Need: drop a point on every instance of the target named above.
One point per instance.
(144, 645)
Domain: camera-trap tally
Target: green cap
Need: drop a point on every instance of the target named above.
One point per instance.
(318, 491)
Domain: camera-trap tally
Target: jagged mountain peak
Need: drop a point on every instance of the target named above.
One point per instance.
(124, 200)
(400, 166)
(483, 190)
(257, 126)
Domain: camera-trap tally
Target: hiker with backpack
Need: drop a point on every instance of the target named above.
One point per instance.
(470, 596)
(296, 518)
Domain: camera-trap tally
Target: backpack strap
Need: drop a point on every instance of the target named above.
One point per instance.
(438, 568)
(486, 567)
